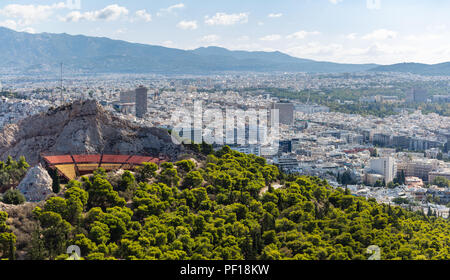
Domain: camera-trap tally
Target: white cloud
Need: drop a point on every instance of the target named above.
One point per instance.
(109, 13)
(273, 37)
(335, 1)
(437, 28)
(185, 25)
(425, 37)
(351, 36)
(74, 16)
(227, 19)
(380, 35)
(174, 7)
(302, 34)
(171, 9)
(210, 38)
(11, 24)
(275, 15)
(377, 52)
(28, 30)
(314, 49)
(144, 15)
(29, 14)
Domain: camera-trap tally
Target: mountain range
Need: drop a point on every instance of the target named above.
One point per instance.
(39, 53)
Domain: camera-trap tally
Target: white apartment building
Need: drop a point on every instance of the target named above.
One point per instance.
(386, 167)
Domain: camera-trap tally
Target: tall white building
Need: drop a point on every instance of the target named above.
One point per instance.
(386, 167)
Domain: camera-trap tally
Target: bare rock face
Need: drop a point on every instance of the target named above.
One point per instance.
(37, 184)
(79, 128)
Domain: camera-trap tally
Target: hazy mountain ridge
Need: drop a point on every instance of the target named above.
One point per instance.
(416, 68)
(31, 53)
(38, 52)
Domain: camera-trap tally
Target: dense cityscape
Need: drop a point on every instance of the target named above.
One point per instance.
(225, 139)
(370, 152)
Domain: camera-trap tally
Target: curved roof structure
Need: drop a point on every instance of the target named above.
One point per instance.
(72, 166)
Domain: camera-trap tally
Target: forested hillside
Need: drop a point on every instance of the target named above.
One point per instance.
(220, 209)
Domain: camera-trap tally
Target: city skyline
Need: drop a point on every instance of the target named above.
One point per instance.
(345, 31)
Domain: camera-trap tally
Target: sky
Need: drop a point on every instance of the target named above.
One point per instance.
(345, 31)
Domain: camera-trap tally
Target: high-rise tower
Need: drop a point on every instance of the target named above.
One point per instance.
(141, 101)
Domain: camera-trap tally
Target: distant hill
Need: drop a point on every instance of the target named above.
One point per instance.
(274, 61)
(41, 53)
(29, 53)
(416, 68)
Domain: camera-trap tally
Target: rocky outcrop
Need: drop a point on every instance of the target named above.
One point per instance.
(37, 184)
(82, 127)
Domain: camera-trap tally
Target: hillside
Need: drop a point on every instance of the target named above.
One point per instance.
(442, 69)
(82, 127)
(37, 53)
(218, 210)
(27, 53)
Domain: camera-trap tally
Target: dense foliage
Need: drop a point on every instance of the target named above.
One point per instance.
(12, 172)
(442, 182)
(7, 239)
(13, 197)
(228, 207)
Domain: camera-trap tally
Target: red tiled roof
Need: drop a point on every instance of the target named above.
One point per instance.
(125, 160)
(115, 158)
(58, 159)
(139, 159)
(87, 158)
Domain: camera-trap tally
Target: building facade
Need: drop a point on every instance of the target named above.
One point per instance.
(141, 101)
(286, 111)
(386, 167)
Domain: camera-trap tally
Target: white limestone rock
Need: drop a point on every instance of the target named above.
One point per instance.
(37, 184)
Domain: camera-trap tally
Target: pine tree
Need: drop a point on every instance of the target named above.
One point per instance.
(56, 185)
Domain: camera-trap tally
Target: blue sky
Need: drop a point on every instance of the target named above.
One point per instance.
(353, 31)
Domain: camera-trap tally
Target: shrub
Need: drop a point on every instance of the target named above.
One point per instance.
(14, 197)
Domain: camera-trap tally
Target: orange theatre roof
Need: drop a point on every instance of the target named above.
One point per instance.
(72, 166)
(52, 160)
(139, 159)
(115, 158)
(87, 158)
